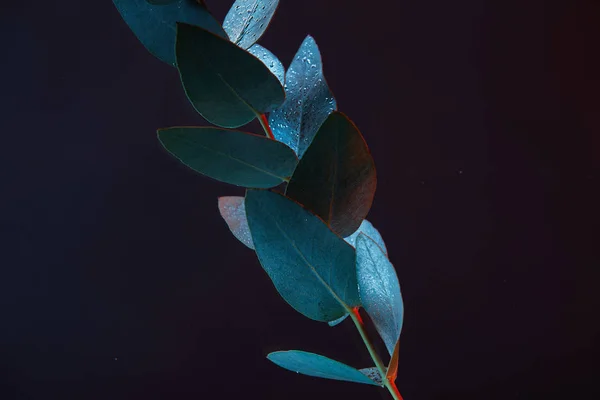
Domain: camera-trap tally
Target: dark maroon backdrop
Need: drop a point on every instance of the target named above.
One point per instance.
(119, 280)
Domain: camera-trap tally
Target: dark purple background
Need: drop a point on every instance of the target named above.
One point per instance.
(119, 280)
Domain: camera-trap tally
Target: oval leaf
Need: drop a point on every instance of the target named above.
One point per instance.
(154, 24)
(229, 156)
(310, 266)
(233, 211)
(247, 20)
(270, 60)
(319, 366)
(336, 178)
(308, 100)
(227, 85)
(379, 290)
(368, 229)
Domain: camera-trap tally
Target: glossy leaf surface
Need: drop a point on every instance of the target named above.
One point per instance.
(309, 265)
(368, 229)
(247, 20)
(270, 60)
(234, 157)
(233, 211)
(308, 100)
(336, 178)
(155, 24)
(227, 85)
(379, 290)
(319, 366)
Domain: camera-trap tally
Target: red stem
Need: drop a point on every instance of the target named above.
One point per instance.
(265, 123)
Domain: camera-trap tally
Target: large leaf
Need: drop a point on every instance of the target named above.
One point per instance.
(379, 290)
(235, 157)
(319, 366)
(310, 266)
(270, 60)
(247, 20)
(227, 85)
(233, 211)
(368, 229)
(154, 24)
(308, 100)
(336, 178)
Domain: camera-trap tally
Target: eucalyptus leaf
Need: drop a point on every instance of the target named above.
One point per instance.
(233, 211)
(379, 290)
(308, 100)
(154, 22)
(227, 85)
(368, 229)
(234, 157)
(373, 374)
(338, 321)
(319, 366)
(270, 60)
(336, 178)
(310, 266)
(247, 20)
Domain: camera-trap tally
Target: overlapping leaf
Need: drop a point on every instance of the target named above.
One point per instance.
(227, 85)
(308, 100)
(379, 290)
(310, 266)
(247, 20)
(154, 22)
(336, 178)
(319, 366)
(270, 60)
(233, 211)
(234, 157)
(368, 229)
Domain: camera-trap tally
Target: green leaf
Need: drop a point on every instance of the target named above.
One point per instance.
(379, 290)
(316, 365)
(336, 178)
(229, 156)
(368, 229)
(153, 22)
(233, 211)
(247, 20)
(270, 60)
(310, 266)
(227, 85)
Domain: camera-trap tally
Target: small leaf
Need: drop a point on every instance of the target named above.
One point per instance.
(312, 364)
(229, 156)
(154, 22)
(379, 290)
(336, 178)
(227, 85)
(247, 20)
(373, 374)
(310, 266)
(337, 321)
(270, 60)
(368, 229)
(308, 100)
(233, 211)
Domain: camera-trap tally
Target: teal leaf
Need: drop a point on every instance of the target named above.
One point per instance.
(308, 100)
(310, 266)
(233, 211)
(368, 229)
(247, 20)
(270, 60)
(336, 178)
(227, 85)
(379, 290)
(338, 321)
(154, 23)
(319, 366)
(229, 156)
(373, 374)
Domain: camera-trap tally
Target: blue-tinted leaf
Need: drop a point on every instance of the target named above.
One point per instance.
(227, 85)
(234, 157)
(379, 290)
(368, 229)
(318, 366)
(310, 266)
(308, 100)
(154, 24)
(247, 20)
(373, 374)
(233, 211)
(337, 321)
(270, 60)
(336, 178)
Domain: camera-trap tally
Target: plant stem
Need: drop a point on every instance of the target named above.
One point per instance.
(265, 124)
(389, 384)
